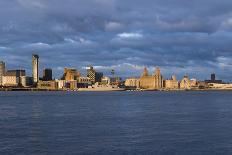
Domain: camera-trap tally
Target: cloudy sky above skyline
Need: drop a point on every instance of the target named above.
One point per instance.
(182, 37)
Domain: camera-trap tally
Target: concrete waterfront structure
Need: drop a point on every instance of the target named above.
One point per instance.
(151, 82)
(93, 75)
(2, 71)
(172, 83)
(35, 68)
(47, 74)
(132, 83)
(49, 85)
(220, 86)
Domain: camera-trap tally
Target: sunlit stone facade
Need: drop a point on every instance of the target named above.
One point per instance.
(172, 83)
(151, 82)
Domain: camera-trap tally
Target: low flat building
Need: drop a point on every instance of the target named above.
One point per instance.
(220, 86)
(50, 85)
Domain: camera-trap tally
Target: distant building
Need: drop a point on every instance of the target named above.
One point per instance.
(2, 71)
(26, 81)
(115, 80)
(152, 82)
(61, 84)
(47, 74)
(17, 72)
(186, 83)
(35, 68)
(105, 80)
(93, 75)
(132, 83)
(13, 77)
(83, 82)
(213, 79)
(220, 86)
(70, 74)
(50, 85)
(10, 81)
(172, 83)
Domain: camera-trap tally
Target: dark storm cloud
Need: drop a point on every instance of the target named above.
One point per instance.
(182, 37)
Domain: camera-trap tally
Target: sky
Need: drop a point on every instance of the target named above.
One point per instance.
(182, 37)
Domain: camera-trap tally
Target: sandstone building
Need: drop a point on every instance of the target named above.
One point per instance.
(151, 82)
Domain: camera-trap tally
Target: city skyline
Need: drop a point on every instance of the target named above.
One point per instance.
(125, 36)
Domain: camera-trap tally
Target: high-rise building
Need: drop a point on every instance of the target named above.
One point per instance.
(47, 74)
(93, 75)
(2, 71)
(35, 68)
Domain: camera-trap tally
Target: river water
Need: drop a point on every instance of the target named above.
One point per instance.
(70, 123)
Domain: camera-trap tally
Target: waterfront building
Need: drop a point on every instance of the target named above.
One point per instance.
(61, 84)
(213, 79)
(14, 77)
(47, 74)
(132, 83)
(220, 86)
(83, 82)
(93, 75)
(17, 72)
(10, 81)
(50, 85)
(35, 68)
(105, 80)
(115, 80)
(186, 83)
(72, 85)
(2, 71)
(70, 74)
(172, 83)
(151, 82)
(26, 81)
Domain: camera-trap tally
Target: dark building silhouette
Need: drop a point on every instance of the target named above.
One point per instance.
(213, 79)
(47, 74)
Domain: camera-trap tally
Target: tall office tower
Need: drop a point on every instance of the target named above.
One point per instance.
(2, 71)
(213, 77)
(35, 68)
(93, 75)
(47, 74)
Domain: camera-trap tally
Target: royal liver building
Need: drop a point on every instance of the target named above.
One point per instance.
(151, 82)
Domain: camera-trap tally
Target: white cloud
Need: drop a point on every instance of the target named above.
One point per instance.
(130, 35)
(38, 45)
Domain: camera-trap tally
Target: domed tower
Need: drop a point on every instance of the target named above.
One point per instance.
(158, 84)
(145, 72)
